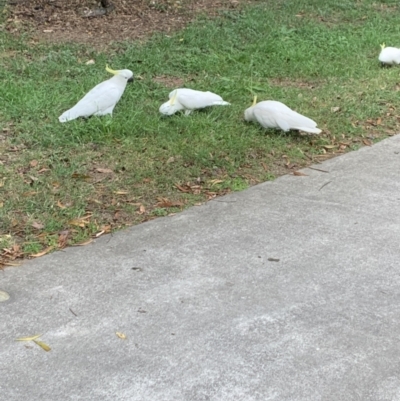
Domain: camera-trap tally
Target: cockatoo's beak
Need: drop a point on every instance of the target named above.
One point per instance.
(383, 46)
(254, 101)
(173, 98)
(108, 69)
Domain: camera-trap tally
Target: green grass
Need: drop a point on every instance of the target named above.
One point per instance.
(312, 55)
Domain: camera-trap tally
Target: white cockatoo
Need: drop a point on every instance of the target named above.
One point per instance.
(389, 55)
(102, 99)
(189, 100)
(272, 114)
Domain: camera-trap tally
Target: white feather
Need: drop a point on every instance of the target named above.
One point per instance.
(389, 55)
(189, 100)
(101, 99)
(273, 114)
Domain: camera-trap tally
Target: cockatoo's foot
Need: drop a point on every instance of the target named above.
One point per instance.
(187, 112)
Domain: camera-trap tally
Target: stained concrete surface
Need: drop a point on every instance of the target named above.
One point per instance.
(289, 290)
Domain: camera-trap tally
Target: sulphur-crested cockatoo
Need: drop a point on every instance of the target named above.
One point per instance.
(389, 55)
(272, 114)
(102, 98)
(189, 100)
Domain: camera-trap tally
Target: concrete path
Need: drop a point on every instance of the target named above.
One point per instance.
(287, 291)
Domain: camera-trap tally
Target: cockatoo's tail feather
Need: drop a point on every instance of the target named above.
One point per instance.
(272, 114)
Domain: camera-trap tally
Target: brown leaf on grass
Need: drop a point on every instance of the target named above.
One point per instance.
(379, 121)
(33, 163)
(104, 230)
(141, 210)
(299, 173)
(42, 170)
(121, 192)
(81, 221)
(330, 146)
(37, 225)
(38, 255)
(29, 193)
(1, 204)
(81, 176)
(367, 142)
(215, 182)
(171, 160)
(264, 165)
(42, 345)
(60, 205)
(165, 202)
(183, 188)
(103, 170)
(62, 238)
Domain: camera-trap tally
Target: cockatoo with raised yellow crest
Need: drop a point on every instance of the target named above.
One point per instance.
(273, 114)
(389, 55)
(102, 99)
(189, 100)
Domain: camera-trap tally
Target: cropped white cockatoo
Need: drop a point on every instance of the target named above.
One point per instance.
(389, 55)
(272, 114)
(189, 100)
(102, 98)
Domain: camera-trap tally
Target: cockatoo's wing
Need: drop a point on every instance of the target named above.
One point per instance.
(390, 55)
(271, 114)
(99, 101)
(192, 99)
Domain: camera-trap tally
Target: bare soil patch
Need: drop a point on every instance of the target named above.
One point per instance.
(68, 21)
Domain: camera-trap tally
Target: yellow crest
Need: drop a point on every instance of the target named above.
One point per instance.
(108, 69)
(173, 98)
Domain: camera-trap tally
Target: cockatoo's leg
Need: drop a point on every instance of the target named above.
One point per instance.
(187, 112)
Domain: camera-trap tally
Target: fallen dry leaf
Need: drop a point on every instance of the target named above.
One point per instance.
(33, 163)
(142, 209)
(299, 173)
(367, 142)
(215, 182)
(103, 170)
(37, 225)
(42, 345)
(121, 192)
(38, 255)
(122, 336)
(62, 238)
(60, 205)
(171, 160)
(28, 338)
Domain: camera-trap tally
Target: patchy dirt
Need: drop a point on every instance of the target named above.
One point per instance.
(170, 82)
(70, 21)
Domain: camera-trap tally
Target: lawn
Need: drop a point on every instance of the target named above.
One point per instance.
(66, 184)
